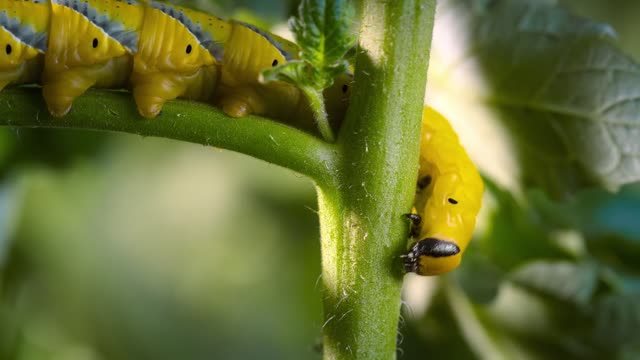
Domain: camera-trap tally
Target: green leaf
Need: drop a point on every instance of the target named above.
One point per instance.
(562, 280)
(617, 320)
(322, 30)
(515, 234)
(293, 72)
(595, 212)
(479, 277)
(569, 98)
(607, 221)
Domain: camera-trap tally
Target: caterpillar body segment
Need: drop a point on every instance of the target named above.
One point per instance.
(151, 91)
(178, 54)
(240, 92)
(448, 198)
(23, 40)
(249, 51)
(90, 45)
(157, 50)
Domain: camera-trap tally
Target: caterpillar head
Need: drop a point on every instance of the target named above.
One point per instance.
(337, 98)
(431, 256)
(448, 220)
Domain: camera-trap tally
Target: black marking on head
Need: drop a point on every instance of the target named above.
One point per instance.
(452, 201)
(95, 43)
(288, 56)
(433, 247)
(430, 247)
(274, 63)
(188, 50)
(424, 182)
(8, 49)
(345, 88)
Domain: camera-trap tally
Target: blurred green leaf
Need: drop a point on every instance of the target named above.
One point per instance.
(569, 97)
(543, 326)
(478, 276)
(47, 147)
(437, 333)
(621, 14)
(617, 321)
(607, 221)
(514, 234)
(161, 232)
(6, 143)
(10, 201)
(596, 212)
(562, 280)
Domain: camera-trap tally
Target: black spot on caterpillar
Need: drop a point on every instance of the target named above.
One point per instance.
(197, 56)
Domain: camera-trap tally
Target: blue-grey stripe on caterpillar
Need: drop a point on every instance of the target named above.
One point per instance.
(157, 50)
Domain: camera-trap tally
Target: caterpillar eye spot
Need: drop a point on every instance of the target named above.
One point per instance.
(189, 49)
(95, 43)
(345, 88)
(274, 63)
(452, 201)
(8, 49)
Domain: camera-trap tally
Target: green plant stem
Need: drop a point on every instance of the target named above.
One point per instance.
(362, 224)
(316, 102)
(181, 120)
(365, 181)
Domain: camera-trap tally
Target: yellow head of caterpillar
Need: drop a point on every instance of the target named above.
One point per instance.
(448, 198)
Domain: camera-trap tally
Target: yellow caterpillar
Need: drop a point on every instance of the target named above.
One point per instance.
(448, 198)
(158, 50)
(162, 52)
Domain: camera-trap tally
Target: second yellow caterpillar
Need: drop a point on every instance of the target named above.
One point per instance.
(448, 199)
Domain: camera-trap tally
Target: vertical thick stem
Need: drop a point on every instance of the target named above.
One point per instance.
(363, 230)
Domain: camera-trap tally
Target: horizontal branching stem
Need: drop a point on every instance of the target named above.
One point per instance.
(101, 110)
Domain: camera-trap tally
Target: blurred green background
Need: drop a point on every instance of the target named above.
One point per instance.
(116, 246)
